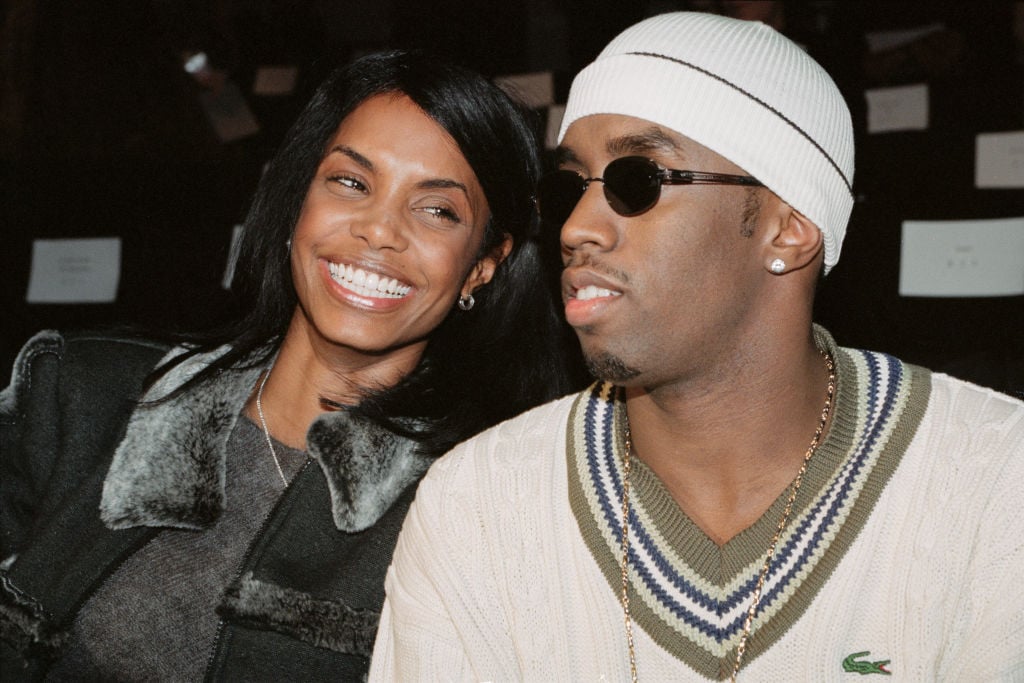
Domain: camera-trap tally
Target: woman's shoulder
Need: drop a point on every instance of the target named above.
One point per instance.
(51, 357)
(84, 346)
(62, 414)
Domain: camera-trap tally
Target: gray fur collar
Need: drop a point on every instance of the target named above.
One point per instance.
(169, 468)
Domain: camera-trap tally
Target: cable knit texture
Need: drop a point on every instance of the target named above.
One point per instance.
(494, 577)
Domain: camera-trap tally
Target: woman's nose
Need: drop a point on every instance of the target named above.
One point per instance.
(381, 228)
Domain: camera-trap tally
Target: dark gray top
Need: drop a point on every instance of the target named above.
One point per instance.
(154, 618)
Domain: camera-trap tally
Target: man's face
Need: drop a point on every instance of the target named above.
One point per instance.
(664, 296)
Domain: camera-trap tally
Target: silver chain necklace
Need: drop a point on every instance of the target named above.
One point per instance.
(263, 423)
(763, 574)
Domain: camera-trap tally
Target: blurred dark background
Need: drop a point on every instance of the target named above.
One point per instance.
(102, 134)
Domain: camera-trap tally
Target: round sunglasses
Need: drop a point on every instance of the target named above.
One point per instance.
(632, 185)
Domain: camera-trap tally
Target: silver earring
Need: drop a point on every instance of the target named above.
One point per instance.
(288, 244)
(778, 266)
(466, 302)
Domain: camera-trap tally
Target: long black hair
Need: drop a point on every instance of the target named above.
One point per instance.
(480, 366)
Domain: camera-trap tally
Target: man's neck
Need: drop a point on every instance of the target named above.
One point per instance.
(725, 453)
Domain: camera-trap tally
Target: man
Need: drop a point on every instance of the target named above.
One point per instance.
(796, 510)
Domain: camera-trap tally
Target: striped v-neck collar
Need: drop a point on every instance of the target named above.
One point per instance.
(691, 595)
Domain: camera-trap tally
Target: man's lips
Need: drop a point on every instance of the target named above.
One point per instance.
(588, 296)
(593, 292)
(586, 284)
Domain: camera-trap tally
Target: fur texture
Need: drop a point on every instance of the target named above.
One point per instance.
(324, 623)
(367, 467)
(169, 469)
(24, 624)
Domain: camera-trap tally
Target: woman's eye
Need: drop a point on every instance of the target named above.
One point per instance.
(442, 213)
(347, 182)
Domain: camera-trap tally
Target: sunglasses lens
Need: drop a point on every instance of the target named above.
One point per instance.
(632, 185)
(557, 195)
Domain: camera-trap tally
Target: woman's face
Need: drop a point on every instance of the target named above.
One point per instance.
(388, 233)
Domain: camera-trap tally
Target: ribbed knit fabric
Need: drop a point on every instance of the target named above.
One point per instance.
(909, 557)
(692, 595)
(741, 89)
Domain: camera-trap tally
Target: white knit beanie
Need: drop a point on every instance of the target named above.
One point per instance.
(741, 89)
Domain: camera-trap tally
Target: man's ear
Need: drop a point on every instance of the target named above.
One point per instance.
(483, 270)
(795, 244)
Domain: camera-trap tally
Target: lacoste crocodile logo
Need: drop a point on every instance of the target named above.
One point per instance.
(850, 665)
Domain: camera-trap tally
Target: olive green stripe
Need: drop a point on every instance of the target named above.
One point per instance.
(718, 566)
(914, 398)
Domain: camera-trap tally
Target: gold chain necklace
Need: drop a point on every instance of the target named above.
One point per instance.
(794, 487)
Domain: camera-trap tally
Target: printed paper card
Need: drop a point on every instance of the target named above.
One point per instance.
(895, 109)
(999, 160)
(74, 271)
(965, 258)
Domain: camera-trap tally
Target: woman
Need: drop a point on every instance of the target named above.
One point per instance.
(248, 505)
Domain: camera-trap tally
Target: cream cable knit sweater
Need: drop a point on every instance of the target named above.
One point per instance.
(499, 576)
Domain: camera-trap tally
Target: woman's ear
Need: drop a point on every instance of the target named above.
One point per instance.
(797, 243)
(483, 270)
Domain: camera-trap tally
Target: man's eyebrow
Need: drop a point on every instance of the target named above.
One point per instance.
(654, 139)
(564, 155)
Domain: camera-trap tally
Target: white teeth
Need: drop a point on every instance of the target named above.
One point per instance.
(368, 284)
(592, 292)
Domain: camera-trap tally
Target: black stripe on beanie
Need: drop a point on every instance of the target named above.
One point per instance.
(792, 124)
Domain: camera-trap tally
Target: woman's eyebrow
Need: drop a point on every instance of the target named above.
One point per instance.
(429, 184)
(353, 155)
(442, 183)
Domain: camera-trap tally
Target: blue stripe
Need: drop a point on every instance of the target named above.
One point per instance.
(601, 410)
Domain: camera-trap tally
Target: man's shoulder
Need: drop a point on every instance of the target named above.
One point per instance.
(956, 405)
(542, 424)
(974, 431)
(528, 443)
(964, 401)
(526, 424)
(958, 402)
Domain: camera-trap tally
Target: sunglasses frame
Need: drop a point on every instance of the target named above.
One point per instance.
(663, 176)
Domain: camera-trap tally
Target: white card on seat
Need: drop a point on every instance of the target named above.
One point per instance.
(965, 258)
